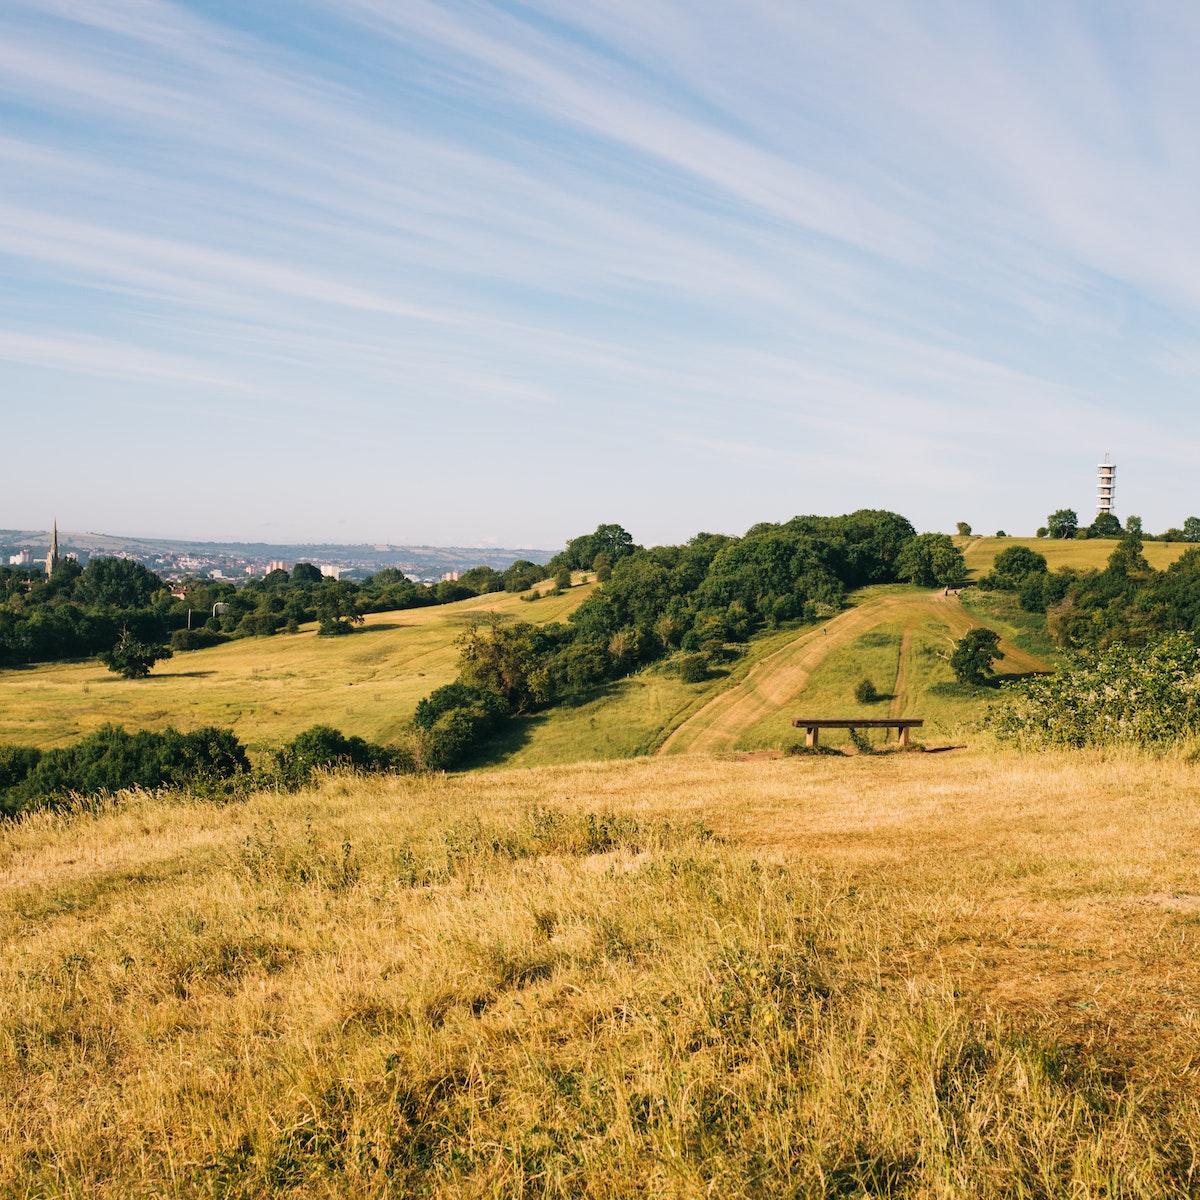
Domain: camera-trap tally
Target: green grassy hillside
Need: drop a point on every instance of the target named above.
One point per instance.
(267, 689)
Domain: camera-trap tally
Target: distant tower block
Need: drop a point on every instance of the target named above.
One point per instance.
(1106, 486)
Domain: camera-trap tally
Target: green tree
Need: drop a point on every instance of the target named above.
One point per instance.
(133, 659)
(1191, 529)
(1012, 565)
(1043, 531)
(117, 583)
(1128, 559)
(482, 580)
(964, 530)
(337, 608)
(512, 661)
(931, 560)
(974, 654)
(304, 573)
(602, 564)
(1105, 526)
(1063, 523)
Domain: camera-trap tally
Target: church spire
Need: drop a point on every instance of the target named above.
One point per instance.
(52, 557)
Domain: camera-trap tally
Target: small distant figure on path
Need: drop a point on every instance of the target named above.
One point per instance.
(825, 630)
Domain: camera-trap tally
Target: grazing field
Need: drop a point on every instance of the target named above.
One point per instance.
(267, 689)
(954, 975)
(1083, 555)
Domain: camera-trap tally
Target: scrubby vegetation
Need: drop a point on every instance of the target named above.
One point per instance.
(1126, 602)
(1147, 696)
(111, 760)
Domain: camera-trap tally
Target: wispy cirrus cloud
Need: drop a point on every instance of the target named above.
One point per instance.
(748, 259)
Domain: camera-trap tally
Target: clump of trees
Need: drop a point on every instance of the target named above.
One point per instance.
(932, 560)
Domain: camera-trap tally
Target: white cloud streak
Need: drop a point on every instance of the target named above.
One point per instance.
(827, 238)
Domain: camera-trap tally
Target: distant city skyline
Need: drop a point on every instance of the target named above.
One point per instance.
(459, 272)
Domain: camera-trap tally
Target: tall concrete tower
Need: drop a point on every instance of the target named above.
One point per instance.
(1106, 486)
(52, 557)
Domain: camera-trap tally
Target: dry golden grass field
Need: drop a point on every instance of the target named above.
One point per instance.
(267, 689)
(972, 974)
(1083, 555)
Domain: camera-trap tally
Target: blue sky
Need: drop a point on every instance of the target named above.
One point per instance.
(465, 272)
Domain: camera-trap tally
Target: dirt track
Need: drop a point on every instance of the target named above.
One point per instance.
(781, 676)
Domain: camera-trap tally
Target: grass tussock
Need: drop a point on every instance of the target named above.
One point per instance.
(686, 979)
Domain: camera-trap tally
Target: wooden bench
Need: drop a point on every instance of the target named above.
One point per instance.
(811, 725)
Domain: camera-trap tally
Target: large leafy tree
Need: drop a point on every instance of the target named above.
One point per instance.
(1105, 525)
(974, 654)
(1063, 523)
(337, 608)
(117, 583)
(931, 560)
(512, 661)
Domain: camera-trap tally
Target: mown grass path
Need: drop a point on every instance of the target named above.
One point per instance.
(781, 678)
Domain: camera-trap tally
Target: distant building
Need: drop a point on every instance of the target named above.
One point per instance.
(1106, 486)
(52, 557)
(276, 564)
(20, 559)
(450, 577)
(331, 572)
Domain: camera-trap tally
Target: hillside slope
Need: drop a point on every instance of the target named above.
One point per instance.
(751, 714)
(267, 689)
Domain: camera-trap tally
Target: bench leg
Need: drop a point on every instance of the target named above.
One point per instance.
(810, 739)
(903, 735)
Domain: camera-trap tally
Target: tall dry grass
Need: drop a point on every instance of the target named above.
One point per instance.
(928, 975)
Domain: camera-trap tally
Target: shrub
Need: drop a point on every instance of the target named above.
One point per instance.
(16, 762)
(1145, 696)
(322, 747)
(865, 692)
(110, 760)
(693, 668)
(261, 624)
(196, 639)
(861, 741)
